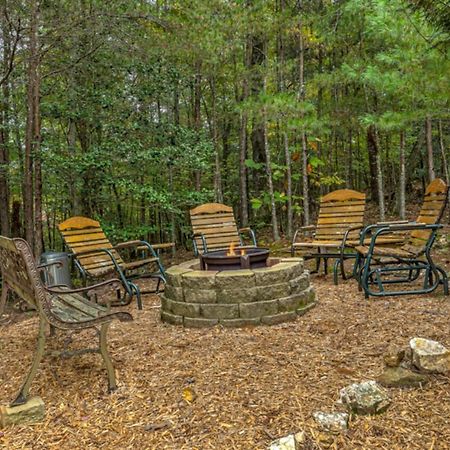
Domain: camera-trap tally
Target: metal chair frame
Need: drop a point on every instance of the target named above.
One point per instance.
(369, 270)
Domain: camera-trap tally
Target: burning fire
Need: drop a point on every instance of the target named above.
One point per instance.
(232, 252)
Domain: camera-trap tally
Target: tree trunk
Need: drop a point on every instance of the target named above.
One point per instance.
(4, 131)
(444, 157)
(218, 194)
(31, 132)
(275, 230)
(197, 116)
(243, 169)
(285, 137)
(287, 157)
(429, 135)
(257, 56)
(402, 187)
(38, 213)
(301, 71)
(372, 153)
(379, 180)
(243, 144)
(306, 217)
(73, 194)
(349, 177)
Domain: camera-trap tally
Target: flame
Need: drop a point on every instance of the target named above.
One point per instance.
(243, 252)
(231, 251)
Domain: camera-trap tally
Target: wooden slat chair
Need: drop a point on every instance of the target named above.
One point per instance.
(373, 261)
(96, 257)
(214, 228)
(339, 223)
(60, 308)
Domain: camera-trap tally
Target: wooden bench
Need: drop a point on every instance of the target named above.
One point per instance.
(96, 257)
(414, 255)
(339, 223)
(214, 228)
(60, 308)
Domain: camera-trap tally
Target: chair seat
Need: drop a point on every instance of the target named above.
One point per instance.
(351, 243)
(386, 251)
(136, 264)
(110, 268)
(74, 308)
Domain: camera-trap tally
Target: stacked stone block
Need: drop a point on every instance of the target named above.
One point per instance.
(236, 298)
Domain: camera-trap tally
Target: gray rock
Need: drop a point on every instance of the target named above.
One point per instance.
(289, 442)
(219, 311)
(237, 295)
(300, 283)
(401, 377)
(258, 309)
(365, 398)
(279, 318)
(199, 279)
(430, 356)
(334, 422)
(32, 411)
(171, 318)
(393, 357)
(272, 291)
(235, 279)
(200, 295)
(190, 322)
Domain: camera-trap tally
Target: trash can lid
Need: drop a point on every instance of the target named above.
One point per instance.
(50, 255)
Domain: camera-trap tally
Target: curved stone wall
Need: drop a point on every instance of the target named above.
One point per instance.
(269, 295)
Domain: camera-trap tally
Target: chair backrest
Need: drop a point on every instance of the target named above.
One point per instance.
(433, 207)
(81, 234)
(19, 271)
(339, 211)
(217, 224)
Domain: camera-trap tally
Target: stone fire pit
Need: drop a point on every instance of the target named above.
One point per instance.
(268, 295)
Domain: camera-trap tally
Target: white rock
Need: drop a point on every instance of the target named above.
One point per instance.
(285, 443)
(430, 356)
(334, 422)
(365, 398)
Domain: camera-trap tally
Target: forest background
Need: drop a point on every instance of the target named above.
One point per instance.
(132, 112)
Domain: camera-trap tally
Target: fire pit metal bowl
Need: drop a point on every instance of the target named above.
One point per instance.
(251, 258)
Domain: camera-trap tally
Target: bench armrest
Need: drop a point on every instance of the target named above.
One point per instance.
(392, 222)
(201, 236)
(347, 233)
(163, 245)
(411, 226)
(301, 230)
(250, 232)
(393, 226)
(127, 244)
(83, 289)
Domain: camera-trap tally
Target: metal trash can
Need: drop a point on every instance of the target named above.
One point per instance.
(56, 274)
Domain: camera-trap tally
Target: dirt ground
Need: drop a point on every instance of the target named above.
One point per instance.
(249, 386)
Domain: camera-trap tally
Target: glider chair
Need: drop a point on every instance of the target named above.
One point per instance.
(214, 228)
(60, 308)
(379, 269)
(95, 257)
(339, 223)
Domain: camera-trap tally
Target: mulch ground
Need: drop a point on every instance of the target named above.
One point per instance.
(249, 386)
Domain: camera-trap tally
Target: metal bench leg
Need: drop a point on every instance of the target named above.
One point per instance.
(137, 291)
(23, 393)
(112, 386)
(337, 263)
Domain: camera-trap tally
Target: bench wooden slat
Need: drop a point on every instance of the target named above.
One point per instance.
(216, 223)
